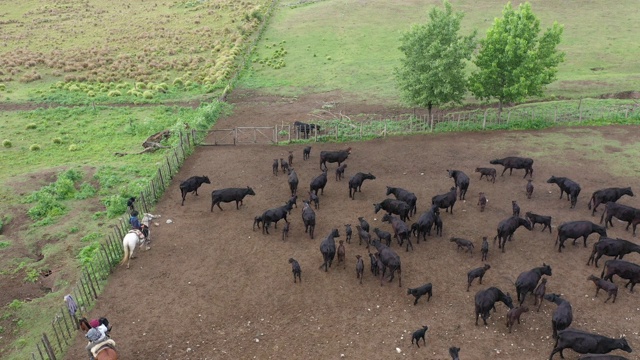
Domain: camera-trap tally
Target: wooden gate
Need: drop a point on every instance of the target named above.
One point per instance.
(256, 135)
(223, 137)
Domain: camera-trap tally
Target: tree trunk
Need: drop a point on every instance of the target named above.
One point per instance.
(499, 109)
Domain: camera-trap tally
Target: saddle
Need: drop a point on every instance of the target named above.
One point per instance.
(108, 343)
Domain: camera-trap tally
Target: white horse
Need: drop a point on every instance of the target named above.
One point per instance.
(129, 242)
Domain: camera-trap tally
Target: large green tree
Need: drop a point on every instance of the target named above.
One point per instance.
(514, 60)
(431, 73)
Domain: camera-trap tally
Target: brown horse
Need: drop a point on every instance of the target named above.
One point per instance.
(106, 349)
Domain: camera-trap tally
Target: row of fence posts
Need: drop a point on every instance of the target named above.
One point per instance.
(92, 278)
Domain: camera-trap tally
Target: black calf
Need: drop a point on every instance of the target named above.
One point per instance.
(539, 219)
(419, 291)
(419, 334)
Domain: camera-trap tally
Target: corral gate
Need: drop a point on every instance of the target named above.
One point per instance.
(256, 135)
(250, 135)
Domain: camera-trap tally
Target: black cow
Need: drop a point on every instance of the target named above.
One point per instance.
(583, 342)
(445, 201)
(356, 181)
(604, 196)
(486, 300)
(313, 198)
(229, 195)
(484, 250)
(425, 223)
(539, 219)
(389, 260)
(419, 334)
(528, 280)
(609, 287)
(305, 129)
(318, 183)
(507, 227)
(406, 196)
(568, 186)
(426, 289)
(333, 156)
(293, 182)
(577, 229)
(461, 180)
(274, 167)
(295, 269)
(562, 315)
(401, 231)
(192, 184)
(488, 172)
(348, 232)
(617, 248)
(529, 188)
(453, 352)
(515, 208)
(328, 249)
(340, 172)
(393, 206)
(624, 269)
(601, 357)
(624, 213)
(306, 152)
(514, 162)
(293, 201)
(477, 273)
(363, 235)
(273, 216)
(364, 224)
(308, 218)
(359, 268)
(383, 235)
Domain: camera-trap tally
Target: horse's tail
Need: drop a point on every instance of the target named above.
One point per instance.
(125, 257)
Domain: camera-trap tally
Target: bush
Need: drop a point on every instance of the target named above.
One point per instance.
(57, 141)
(147, 94)
(141, 85)
(31, 126)
(178, 82)
(86, 191)
(116, 206)
(114, 93)
(91, 93)
(6, 143)
(73, 147)
(34, 147)
(3, 87)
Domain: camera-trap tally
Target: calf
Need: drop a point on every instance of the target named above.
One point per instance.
(419, 291)
(293, 201)
(256, 221)
(617, 248)
(604, 196)
(419, 334)
(400, 229)
(485, 300)
(528, 280)
(364, 224)
(131, 204)
(348, 232)
(293, 182)
(583, 342)
(624, 269)
(295, 268)
(309, 219)
(229, 195)
(333, 157)
(568, 186)
(463, 243)
(318, 183)
(425, 223)
(539, 293)
(383, 235)
(609, 287)
(461, 180)
(192, 184)
(374, 264)
(363, 235)
(306, 152)
(290, 158)
(562, 316)
(341, 254)
(355, 183)
(577, 229)
(539, 219)
(359, 268)
(393, 206)
(482, 201)
(514, 162)
(490, 173)
(477, 273)
(445, 201)
(275, 166)
(285, 231)
(622, 212)
(484, 250)
(514, 315)
(529, 188)
(284, 165)
(313, 198)
(340, 171)
(515, 208)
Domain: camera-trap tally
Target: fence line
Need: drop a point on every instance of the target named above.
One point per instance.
(91, 281)
(370, 126)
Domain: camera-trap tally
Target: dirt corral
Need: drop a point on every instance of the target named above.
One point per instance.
(211, 288)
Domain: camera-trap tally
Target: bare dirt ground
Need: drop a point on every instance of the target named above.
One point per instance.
(211, 288)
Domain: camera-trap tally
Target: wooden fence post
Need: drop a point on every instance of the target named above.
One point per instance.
(580, 110)
(360, 130)
(484, 121)
(315, 131)
(47, 347)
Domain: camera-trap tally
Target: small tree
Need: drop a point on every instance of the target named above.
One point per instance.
(432, 70)
(514, 61)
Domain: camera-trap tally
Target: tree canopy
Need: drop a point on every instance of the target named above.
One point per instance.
(514, 60)
(432, 70)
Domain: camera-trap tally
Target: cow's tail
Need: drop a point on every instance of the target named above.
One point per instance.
(606, 263)
(593, 200)
(606, 209)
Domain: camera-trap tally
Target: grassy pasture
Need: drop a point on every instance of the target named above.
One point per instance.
(353, 46)
(125, 46)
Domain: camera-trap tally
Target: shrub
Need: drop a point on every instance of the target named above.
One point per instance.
(31, 126)
(4, 244)
(114, 93)
(3, 87)
(74, 87)
(34, 147)
(141, 85)
(32, 276)
(73, 147)
(6, 143)
(15, 304)
(91, 93)
(178, 82)
(57, 141)
(147, 94)
(86, 191)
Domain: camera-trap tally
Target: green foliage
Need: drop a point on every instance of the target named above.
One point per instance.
(34, 147)
(32, 276)
(86, 191)
(6, 143)
(87, 253)
(31, 126)
(15, 304)
(116, 205)
(57, 140)
(74, 229)
(514, 61)
(432, 70)
(73, 147)
(4, 244)
(91, 237)
(48, 198)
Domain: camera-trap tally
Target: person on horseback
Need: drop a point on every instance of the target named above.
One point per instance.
(137, 225)
(95, 337)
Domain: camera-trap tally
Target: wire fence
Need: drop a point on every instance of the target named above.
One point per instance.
(92, 278)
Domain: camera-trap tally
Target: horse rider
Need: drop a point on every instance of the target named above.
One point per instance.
(101, 324)
(135, 223)
(95, 337)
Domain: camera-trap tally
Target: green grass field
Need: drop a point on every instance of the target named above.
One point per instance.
(353, 46)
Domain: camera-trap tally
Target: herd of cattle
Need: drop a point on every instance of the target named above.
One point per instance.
(385, 262)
